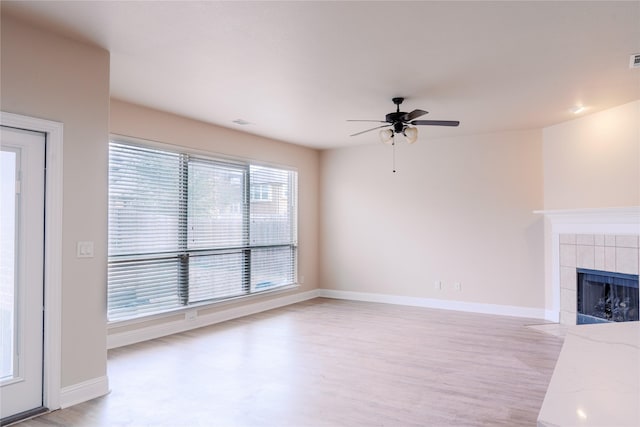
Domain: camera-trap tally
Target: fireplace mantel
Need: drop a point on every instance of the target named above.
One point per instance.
(580, 224)
(594, 220)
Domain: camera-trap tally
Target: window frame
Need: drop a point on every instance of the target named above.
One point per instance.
(249, 290)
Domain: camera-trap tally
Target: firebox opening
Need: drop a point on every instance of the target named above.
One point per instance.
(604, 297)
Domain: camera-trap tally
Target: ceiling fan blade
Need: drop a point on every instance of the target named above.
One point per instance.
(374, 121)
(369, 130)
(413, 115)
(435, 122)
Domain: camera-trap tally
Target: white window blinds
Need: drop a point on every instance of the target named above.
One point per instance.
(186, 229)
(272, 228)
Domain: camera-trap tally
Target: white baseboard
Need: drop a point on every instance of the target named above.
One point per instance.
(473, 307)
(121, 339)
(81, 392)
(552, 316)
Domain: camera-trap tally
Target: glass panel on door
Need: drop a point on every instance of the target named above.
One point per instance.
(8, 359)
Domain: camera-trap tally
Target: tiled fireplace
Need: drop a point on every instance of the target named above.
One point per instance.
(599, 252)
(602, 240)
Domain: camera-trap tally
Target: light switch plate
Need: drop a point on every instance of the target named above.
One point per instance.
(84, 250)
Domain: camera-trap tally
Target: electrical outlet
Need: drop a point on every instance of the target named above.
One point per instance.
(437, 285)
(457, 286)
(301, 280)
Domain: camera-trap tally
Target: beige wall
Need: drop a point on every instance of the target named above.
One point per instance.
(140, 122)
(53, 78)
(459, 209)
(594, 161)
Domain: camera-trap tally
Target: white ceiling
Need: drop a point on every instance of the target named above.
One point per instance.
(298, 70)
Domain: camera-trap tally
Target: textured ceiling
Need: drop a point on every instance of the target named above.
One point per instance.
(297, 70)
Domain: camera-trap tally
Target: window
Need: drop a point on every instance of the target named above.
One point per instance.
(185, 229)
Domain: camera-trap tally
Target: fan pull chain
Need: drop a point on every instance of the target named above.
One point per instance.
(393, 144)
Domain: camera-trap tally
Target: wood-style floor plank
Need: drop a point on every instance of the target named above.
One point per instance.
(330, 363)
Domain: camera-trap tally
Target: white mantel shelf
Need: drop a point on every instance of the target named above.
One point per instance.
(582, 219)
(596, 381)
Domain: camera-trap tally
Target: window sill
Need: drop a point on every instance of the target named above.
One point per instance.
(206, 305)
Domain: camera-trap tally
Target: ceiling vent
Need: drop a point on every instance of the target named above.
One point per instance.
(634, 61)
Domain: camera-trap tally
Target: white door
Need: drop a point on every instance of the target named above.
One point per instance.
(22, 175)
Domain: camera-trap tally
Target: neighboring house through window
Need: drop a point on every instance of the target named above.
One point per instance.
(260, 192)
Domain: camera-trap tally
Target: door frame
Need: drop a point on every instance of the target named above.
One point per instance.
(52, 250)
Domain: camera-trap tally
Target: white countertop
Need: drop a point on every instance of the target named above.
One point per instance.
(596, 381)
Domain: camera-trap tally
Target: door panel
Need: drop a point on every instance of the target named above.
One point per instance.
(22, 157)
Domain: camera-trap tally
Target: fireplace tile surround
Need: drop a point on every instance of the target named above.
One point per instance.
(614, 253)
(597, 239)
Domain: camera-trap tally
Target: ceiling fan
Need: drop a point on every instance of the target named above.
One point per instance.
(400, 122)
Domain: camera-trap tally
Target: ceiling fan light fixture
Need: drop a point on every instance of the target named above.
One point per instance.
(410, 134)
(400, 122)
(386, 136)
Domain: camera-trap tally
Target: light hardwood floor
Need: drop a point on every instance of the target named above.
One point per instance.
(330, 363)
